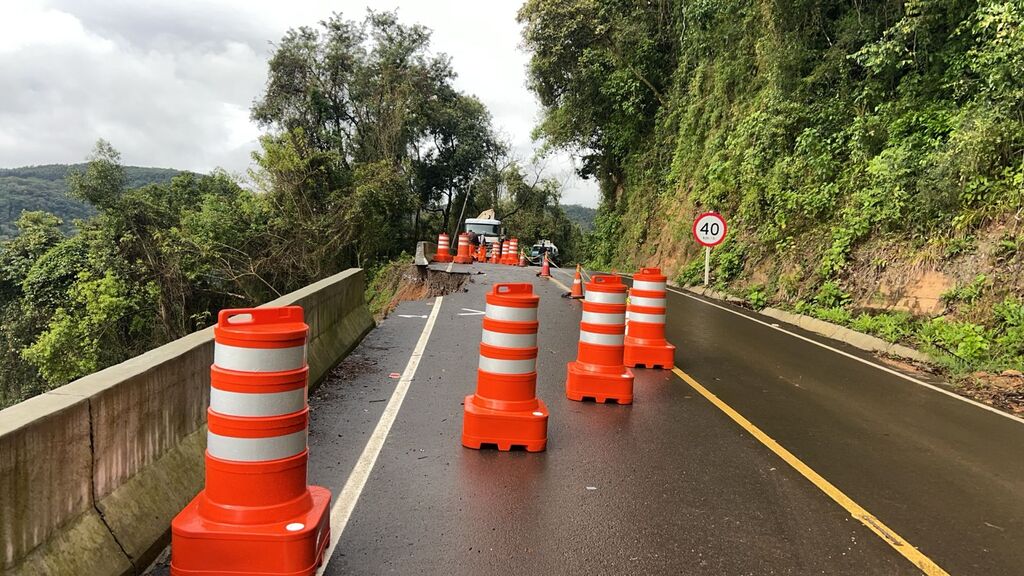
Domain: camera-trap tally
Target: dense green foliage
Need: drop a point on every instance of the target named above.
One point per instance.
(368, 147)
(44, 188)
(815, 126)
(130, 279)
(792, 117)
(582, 215)
(373, 147)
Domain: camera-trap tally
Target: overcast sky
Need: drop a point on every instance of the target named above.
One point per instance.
(169, 82)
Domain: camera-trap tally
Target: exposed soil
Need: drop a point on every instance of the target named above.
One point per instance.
(1004, 391)
(907, 366)
(416, 283)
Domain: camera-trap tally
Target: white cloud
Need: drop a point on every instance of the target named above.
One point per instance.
(170, 82)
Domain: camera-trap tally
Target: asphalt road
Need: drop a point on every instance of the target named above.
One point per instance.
(946, 475)
(668, 485)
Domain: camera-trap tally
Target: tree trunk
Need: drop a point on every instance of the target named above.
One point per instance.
(447, 211)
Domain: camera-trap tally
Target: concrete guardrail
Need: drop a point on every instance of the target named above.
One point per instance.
(92, 473)
(425, 252)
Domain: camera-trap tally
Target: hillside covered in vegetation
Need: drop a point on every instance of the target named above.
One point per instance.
(45, 188)
(582, 215)
(869, 156)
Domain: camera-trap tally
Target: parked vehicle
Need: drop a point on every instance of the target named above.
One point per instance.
(537, 251)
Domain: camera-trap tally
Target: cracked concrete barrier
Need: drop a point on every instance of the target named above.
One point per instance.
(425, 252)
(92, 473)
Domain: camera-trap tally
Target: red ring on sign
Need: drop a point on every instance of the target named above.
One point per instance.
(725, 228)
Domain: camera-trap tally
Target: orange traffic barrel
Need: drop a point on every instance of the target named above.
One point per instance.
(256, 514)
(645, 344)
(495, 252)
(505, 251)
(481, 254)
(505, 411)
(465, 252)
(511, 256)
(444, 253)
(599, 372)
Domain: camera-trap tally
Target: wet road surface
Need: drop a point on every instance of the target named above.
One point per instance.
(668, 485)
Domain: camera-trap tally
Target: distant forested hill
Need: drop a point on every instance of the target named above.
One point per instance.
(581, 215)
(45, 188)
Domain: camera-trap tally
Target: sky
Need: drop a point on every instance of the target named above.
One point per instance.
(169, 82)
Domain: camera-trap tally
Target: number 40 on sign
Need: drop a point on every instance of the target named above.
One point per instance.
(709, 229)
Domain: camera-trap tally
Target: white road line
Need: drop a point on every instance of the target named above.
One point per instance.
(857, 358)
(346, 501)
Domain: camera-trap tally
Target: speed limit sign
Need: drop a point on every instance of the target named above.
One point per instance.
(709, 229)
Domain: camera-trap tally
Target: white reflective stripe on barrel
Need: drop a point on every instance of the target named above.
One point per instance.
(253, 404)
(599, 318)
(652, 286)
(498, 366)
(258, 359)
(255, 449)
(648, 302)
(510, 340)
(602, 339)
(606, 297)
(646, 318)
(510, 313)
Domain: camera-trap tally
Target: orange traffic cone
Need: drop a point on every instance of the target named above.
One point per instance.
(645, 343)
(444, 253)
(481, 254)
(465, 254)
(522, 259)
(505, 410)
(577, 285)
(545, 270)
(256, 515)
(598, 371)
(496, 253)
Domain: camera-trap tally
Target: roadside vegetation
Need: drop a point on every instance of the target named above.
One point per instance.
(384, 283)
(851, 146)
(367, 147)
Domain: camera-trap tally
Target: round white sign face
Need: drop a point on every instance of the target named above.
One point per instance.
(709, 229)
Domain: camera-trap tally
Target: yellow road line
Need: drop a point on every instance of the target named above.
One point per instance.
(563, 286)
(890, 537)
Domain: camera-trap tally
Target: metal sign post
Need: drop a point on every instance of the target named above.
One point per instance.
(709, 230)
(707, 265)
